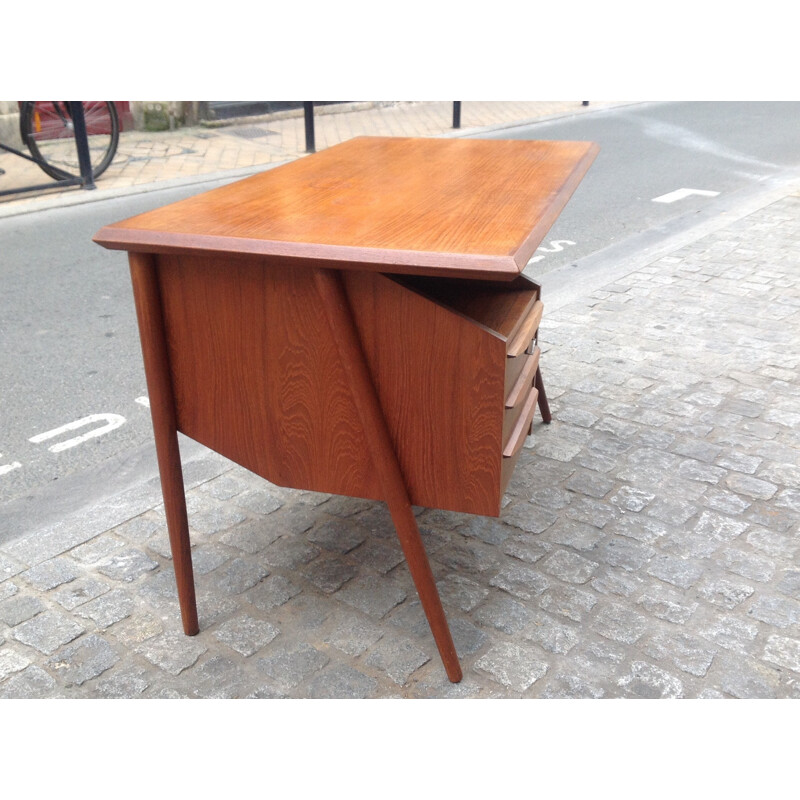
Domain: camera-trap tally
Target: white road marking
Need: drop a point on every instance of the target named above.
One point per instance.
(556, 246)
(4, 468)
(680, 194)
(143, 401)
(112, 421)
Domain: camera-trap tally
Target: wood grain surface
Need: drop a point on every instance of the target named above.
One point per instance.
(420, 206)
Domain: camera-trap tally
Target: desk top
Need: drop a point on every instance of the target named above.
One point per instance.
(460, 207)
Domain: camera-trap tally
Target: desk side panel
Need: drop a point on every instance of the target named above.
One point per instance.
(257, 377)
(440, 380)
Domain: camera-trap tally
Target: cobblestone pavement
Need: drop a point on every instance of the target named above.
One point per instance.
(648, 547)
(249, 143)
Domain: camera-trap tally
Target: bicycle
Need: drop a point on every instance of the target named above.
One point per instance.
(48, 131)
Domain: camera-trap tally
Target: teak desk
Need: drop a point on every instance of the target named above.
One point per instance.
(354, 322)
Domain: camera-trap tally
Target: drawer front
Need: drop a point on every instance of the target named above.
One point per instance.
(523, 374)
(519, 419)
(520, 341)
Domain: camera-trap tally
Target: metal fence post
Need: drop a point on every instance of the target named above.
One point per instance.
(456, 113)
(82, 144)
(308, 110)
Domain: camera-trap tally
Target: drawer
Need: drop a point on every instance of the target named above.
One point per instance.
(520, 372)
(521, 338)
(522, 419)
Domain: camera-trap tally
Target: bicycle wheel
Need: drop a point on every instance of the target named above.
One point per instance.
(49, 133)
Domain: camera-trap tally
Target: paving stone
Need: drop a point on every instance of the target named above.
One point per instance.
(641, 528)
(530, 518)
(748, 565)
(783, 651)
(466, 556)
(697, 449)
(378, 555)
(90, 554)
(238, 576)
(49, 574)
(31, 683)
(569, 567)
(503, 613)
(374, 596)
(741, 462)
(137, 628)
(577, 535)
(8, 589)
(773, 544)
(136, 531)
(246, 635)
(778, 611)
(520, 581)
(290, 553)
(126, 565)
(461, 592)
(81, 662)
(571, 687)
(724, 592)
(745, 678)
(624, 553)
(107, 609)
(171, 651)
(620, 624)
(648, 681)
(338, 535)
(726, 502)
(676, 571)
(207, 558)
(631, 499)
(47, 631)
(252, 536)
(272, 592)
(329, 573)
(214, 520)
(660, 604)
(551, 497)
(558, 450)
(595, 513)
(11, 662)
(688, 653)
(551, 635)
(290, 665)
(20, 608)
(259, 501)
(790, 583)
(218, 678)
(525, 548)
(342, 681)
(731, 633)
(125, 684)
(352, 634)
(750, 486)
(784, 474)
(568, 602)
(80, 591)
(9, 568)
(587, 483)
(672, 511)
(514, 666)
(467, 638)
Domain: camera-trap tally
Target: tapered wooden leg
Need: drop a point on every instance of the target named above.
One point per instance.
(544, 406)
(334, 301)
(162, 407)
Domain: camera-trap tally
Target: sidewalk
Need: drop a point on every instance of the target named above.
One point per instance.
(249, 144)
(648, 547)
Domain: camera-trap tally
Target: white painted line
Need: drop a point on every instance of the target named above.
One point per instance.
(143, 401)
(5, 468)
(556, 246)
(112, 421)
(681, 194)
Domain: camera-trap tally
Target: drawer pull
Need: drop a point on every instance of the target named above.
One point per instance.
(525, 379)
(521, 428)
(521, 341)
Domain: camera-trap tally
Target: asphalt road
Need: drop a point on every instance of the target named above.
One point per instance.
(70, 351)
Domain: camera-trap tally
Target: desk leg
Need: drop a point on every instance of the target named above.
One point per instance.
(334, 301)
(544, 406)
(162, 408)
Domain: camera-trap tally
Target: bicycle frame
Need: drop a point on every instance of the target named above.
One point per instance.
(86, 179)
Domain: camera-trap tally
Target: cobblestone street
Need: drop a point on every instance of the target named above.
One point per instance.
(648, 546)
